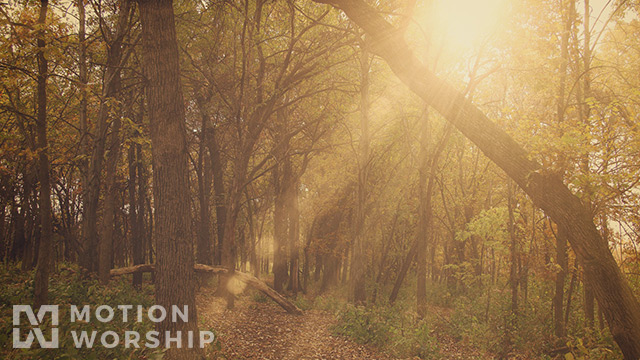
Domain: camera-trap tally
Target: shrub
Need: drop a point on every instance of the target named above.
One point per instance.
(67, 287)
(388, 329)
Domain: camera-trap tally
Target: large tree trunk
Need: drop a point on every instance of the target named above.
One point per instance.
(547, 191)
(175, 281)
(45, 252)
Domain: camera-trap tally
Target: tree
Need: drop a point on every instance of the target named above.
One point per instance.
(45, 252)
(620, 306)
(175, 282)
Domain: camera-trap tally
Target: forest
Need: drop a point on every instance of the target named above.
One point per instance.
(320, 179)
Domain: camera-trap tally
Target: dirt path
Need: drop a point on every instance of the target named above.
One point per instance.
(262, 330)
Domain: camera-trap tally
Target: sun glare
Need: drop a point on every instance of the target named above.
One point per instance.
(466, 23)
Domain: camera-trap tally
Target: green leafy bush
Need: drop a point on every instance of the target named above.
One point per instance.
(388, 329)
(67, 288)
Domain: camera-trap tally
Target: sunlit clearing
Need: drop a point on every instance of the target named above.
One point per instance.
(465, 24)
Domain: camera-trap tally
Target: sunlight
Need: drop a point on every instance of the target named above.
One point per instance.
(466, 23)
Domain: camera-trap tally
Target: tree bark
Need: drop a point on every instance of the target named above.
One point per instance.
(175, 280)
(547, 191)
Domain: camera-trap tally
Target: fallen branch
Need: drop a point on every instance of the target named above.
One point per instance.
(243, 277)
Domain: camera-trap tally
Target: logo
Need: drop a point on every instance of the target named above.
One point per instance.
(35, 332)
(108, 339)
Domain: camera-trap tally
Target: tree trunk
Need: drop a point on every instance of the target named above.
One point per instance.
(359, 260)
(411, 254)
(114, 59)
(84, 120)
(134, 224)
(45, 252)
(110, 88)
(217, 167)
(572, 284)
(204, 255)
(425, 184)
(558, 302)
(105, 255)
(175, 280)
(281, 178)
(513, 249)
(294, 234)
(547, 191)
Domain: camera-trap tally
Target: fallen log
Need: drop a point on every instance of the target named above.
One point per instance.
(248, 279)
(265, 289)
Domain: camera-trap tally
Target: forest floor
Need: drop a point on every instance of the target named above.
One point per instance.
(263, 330)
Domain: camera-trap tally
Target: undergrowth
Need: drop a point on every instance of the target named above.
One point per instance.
(67, 287)
(388, 329)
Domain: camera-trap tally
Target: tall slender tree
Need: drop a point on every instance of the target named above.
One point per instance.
(45, 251)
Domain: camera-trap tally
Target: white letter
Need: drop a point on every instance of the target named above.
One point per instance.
(128, 340)
(84, 338)
(152, 317)
(152, 336)
(168, 339)
(175, 310)
(109, 310)
(104, 342)
(83, 316)
(209, 338)
(125, 311)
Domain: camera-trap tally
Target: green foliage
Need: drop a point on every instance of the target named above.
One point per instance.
(67, 287)
(594, 346)
(389, 329)
(328, 302)
(303, 303)
(260, 297)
